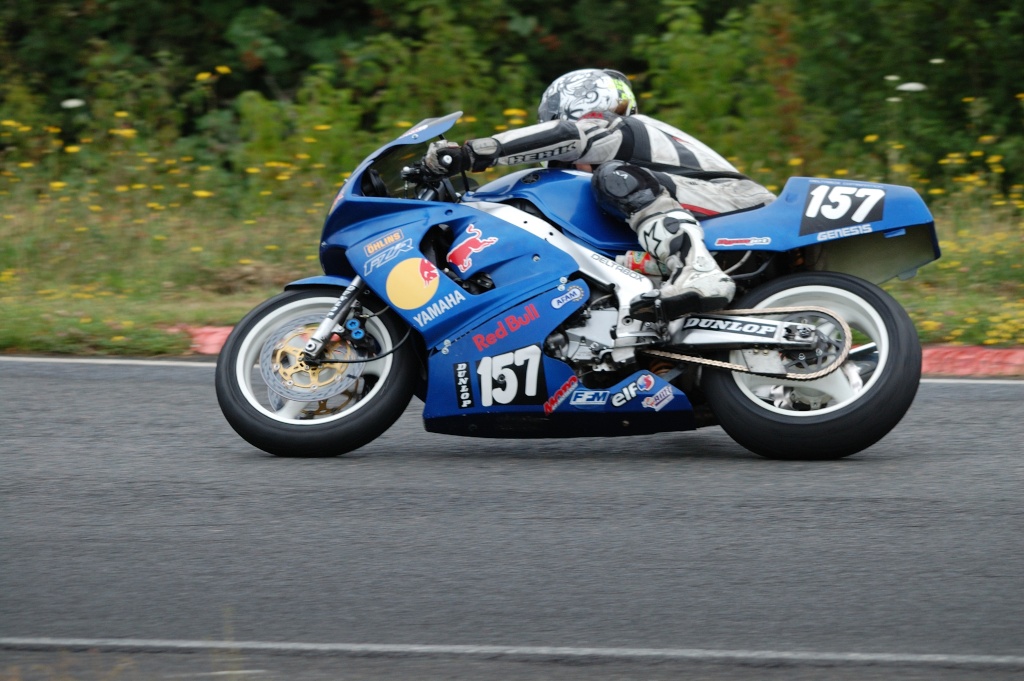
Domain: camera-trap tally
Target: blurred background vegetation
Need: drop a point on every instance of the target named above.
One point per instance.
(154, 152)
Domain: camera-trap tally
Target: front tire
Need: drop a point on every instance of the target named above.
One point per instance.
(283, 406)
(843, 412)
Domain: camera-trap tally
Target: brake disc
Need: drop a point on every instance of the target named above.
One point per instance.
(287, 374)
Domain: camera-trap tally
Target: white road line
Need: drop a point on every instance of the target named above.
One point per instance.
(976, 381)
(696, 654)
(205, 364)
(233, 672)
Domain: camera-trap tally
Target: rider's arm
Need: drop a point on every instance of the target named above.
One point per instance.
(590, 140)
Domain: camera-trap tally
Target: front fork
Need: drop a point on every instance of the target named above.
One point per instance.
(339, 311)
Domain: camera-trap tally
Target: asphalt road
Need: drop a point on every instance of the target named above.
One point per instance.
(129, 510)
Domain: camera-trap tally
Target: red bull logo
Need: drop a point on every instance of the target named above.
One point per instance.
(510, 324)
(461, 254)
(428, 273)
(412, 283)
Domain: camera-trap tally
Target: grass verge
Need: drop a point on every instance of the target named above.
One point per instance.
(88, 270)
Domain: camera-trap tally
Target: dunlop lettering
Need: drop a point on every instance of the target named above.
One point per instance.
(731, 326)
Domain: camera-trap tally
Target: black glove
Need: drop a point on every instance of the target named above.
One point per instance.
(445, 158)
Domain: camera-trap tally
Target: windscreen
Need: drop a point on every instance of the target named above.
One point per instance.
(385, 174)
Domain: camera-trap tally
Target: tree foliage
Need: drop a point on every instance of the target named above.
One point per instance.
(768, 81)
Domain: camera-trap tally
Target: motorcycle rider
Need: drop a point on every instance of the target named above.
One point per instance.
(655, 177)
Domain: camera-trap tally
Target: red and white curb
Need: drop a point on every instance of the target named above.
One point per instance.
(949, 360)
(939, 360)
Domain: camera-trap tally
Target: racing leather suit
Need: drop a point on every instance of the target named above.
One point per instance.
(700, 179)
(655, 177)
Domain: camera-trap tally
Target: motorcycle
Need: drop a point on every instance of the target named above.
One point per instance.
(506, 308)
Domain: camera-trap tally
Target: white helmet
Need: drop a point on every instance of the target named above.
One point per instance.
(578, 93)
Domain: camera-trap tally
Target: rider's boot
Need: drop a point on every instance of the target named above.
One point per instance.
(695, 282)
(670, 234)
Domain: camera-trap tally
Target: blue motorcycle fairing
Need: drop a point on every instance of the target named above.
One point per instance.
(386, 251)
(497, 380)
(565, 197)
(501, 363)
(808, 211)
(322, 280)
(813, 211)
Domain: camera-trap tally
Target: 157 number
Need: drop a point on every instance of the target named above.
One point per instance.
(841, 200)
(500, 376)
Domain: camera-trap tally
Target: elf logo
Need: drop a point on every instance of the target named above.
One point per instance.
(641, 385)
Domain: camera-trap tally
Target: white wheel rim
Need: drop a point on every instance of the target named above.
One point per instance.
(255, 390)
(860, 315)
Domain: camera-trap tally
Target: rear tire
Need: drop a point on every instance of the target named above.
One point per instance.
(349, 403)
(843, 412)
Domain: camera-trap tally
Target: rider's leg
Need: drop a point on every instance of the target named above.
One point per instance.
(670, 234)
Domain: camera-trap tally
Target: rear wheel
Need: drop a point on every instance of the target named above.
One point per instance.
(843, 412)
(284, 404)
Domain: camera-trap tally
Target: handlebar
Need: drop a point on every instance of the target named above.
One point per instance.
(429, 186)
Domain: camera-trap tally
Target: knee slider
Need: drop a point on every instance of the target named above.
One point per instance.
(674, 223)
(622, 189)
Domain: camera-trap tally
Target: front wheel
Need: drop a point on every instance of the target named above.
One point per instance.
(284, 404)
(843, 412)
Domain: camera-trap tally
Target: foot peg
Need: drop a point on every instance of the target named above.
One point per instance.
(650, 306)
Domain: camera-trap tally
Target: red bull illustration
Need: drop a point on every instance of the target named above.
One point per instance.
(428, 273)
(461, 254)
(412, 283)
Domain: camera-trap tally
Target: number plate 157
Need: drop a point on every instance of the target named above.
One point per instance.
(512, 378)
(831, 206)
